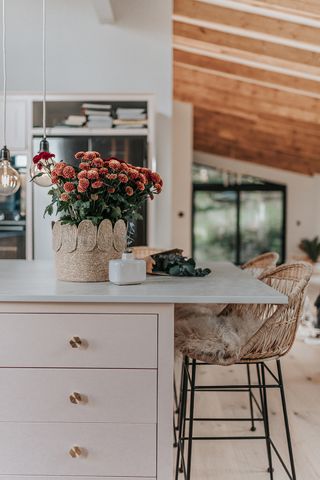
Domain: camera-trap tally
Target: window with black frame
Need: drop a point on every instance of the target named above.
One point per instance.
(236, 217)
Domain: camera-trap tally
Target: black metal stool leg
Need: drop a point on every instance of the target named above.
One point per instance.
(266, 420)
(191, 413)
(184, 414)
(181, 418)
(286, 421)
(253, 428)
(175, 443)
(176, 401)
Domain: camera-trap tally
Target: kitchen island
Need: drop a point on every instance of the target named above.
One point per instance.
(86, 370)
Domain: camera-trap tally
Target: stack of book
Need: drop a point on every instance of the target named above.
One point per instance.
(131, 118)
(98, 115)
(75, 121)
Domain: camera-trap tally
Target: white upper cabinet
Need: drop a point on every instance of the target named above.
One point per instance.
(17, 121)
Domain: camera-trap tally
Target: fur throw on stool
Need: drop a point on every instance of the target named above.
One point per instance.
(202, 335)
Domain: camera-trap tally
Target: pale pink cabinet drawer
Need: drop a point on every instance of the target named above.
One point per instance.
(107, 340)
(28, 477)
(78, 395)
(106, 449)
(24, 477)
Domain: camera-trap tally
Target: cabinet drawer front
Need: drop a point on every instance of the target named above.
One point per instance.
(78, 395)
(106, 449)
(107, 340)
(28, 477)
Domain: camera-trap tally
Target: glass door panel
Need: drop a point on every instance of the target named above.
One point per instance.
(215, 225)
(261, 223)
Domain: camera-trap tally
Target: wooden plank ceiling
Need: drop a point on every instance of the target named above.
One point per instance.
(251, 68)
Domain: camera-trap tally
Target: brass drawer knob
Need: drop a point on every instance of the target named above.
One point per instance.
(75, 342)
(75, 452)
(75, 398)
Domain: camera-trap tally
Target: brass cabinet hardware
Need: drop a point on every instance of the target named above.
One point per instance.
(75, 398)
(75, 452)
(75, 342)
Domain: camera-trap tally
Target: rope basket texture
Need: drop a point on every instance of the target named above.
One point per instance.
(82, 252)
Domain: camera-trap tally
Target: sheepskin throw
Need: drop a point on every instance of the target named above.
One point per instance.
(201, 334)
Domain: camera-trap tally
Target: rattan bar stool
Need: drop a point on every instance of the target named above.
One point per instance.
(272, 340)
(258, 265)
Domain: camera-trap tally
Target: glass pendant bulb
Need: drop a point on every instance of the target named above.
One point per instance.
(9, 177)
(44, 179)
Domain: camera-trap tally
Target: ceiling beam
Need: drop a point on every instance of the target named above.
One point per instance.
(301, 8)
(250, 22)
(249, 59)
(241, 42)
(105, 11)
(266, 9)
(223, 134)
(251, 74)
(210, 90)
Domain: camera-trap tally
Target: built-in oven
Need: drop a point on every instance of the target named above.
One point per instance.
(13, 216)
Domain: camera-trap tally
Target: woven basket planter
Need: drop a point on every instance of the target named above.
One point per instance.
(82, 253)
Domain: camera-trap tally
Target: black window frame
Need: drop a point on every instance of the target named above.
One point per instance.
(250, 187)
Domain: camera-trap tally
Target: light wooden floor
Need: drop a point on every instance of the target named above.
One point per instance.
(246, 460)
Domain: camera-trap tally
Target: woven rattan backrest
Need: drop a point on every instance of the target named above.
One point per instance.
(278, 329)
(257, 265)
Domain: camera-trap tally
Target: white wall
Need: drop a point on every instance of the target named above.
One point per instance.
(303, 195)
(182, 158)
(84, 56)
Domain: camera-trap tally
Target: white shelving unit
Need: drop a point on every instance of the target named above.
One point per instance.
(83, 131)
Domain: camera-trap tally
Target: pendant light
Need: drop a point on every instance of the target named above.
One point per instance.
(9, 177)
(44, 179)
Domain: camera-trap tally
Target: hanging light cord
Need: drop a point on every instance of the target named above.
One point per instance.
(44, 68)
(4, 65)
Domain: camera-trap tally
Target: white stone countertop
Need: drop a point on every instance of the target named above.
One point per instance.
(34, 281)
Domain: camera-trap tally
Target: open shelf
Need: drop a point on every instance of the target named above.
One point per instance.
(84, 131)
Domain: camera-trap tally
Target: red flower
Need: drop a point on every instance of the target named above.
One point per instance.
(90, 155)
(93, 173)
(54, 178)
(43, 156)
(133, 173)
(129, 191)
(155, 177)
(114, 164)
(123, 178)
(64, 197)
(140, 186)
(111, 190)
(82, 174)
(79, 155)
(68, 187)
(111, 176)
(124, 167)
(97, 162)
(58, 168)
(97, 184)
(143, 178)
(83, 185)
(84, 166)
(103, 171)
(158, 187)
(69, 172)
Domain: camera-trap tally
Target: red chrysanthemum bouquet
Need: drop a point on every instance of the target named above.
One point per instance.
(97, 188)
